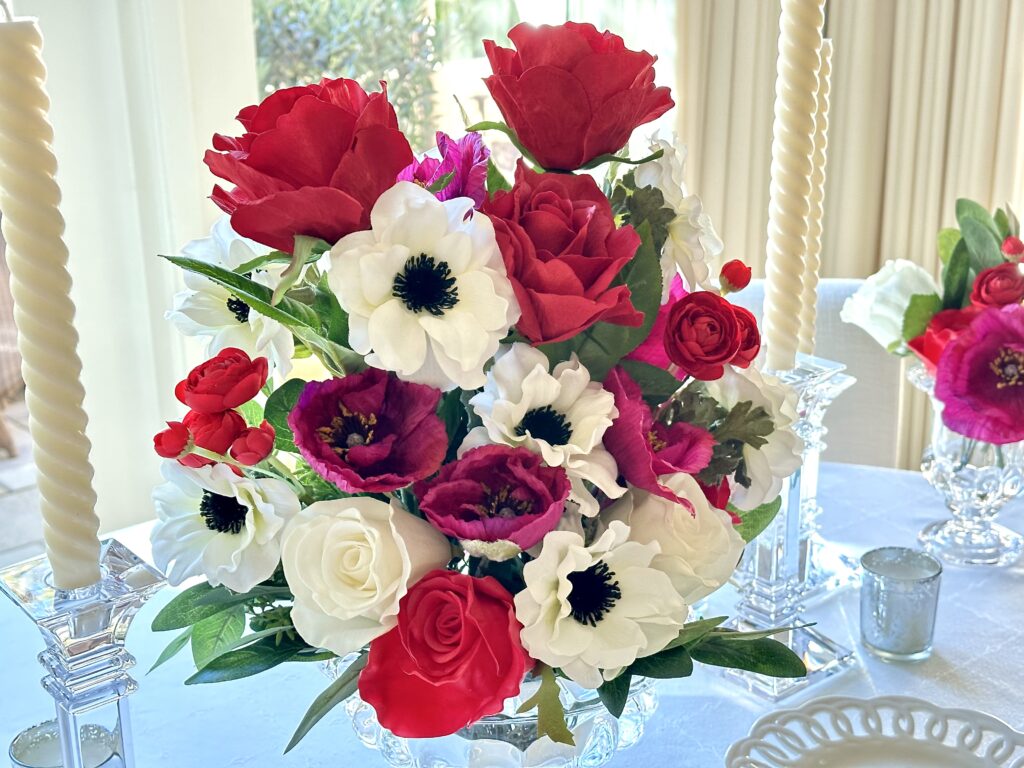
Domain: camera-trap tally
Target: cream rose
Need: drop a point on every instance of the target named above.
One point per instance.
(348, 562)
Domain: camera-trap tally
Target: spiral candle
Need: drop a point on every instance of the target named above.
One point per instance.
(40, 284)
(796, 89)
(812, 249)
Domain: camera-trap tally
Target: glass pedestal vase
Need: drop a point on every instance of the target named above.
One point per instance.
(509, 740)
(976, 479)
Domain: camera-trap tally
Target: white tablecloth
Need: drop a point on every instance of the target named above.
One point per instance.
(978, 663)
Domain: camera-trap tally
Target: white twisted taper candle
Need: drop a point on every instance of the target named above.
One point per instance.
(812, 244)
(792, 145)
(33, 228)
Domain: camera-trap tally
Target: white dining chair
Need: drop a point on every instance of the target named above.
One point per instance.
(864, 421)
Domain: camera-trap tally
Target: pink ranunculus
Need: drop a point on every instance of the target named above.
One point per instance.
(495, 493)
(652, 350)
(465, 159)
(980, 378)
(645, 449)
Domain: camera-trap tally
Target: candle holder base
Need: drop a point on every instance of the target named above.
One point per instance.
(85, 658)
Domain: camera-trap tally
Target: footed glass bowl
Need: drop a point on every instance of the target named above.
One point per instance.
(508, 740)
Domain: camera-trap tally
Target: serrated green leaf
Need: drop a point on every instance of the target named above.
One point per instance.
(745, 424)
(920, 311)
(244, 662)
(763, 656)
(756, 520)
(967, 210)
(496, 182)
(212, 635)
(983, 245)
(346, 684)
(550, 714)
(646, 204)
(185, 609)
(955, 277)
(947, 240)
(615, 693)
(173, 649)
(668, 664)
(276, 411)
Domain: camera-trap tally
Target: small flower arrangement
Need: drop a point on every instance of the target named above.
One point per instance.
(460, 430)
(968, 332)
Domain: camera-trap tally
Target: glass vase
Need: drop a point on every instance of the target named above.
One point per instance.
(510, 740)
(976, 479)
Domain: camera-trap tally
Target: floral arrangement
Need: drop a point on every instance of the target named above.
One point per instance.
(968, 331)
(464, 432)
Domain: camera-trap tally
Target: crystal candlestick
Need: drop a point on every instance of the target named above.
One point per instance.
(85, 658)
(780, 560)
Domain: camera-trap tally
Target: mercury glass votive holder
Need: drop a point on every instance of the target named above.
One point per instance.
(899, 597)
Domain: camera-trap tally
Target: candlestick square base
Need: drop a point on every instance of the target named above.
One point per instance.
(85, 658)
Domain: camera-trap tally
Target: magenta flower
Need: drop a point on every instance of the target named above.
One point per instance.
(652, 349)
(980, 378)
(645, 449)
(495, 493)
(369, 432)
(467, 158)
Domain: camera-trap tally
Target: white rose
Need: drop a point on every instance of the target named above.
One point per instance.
(348, 562)
(699, 549)
(880, 304)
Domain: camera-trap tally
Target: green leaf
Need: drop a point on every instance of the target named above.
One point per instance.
(613, 158)
(763, 656)
(456, 421)
(921, 309)
(496, 182)
(695, 631)
(274, 257)
(336, 692)
(441, 183)
(251, 660)
(333, 319)
(185, 609)
(253, 413)
(212, 635)
(615, 693)
(492, 125)
(657, 384)
(948, 238)
(306, 250)
(173, 649)
(225, 598)
(967, 210)
(983, 245)
(665, 665)
(955, 277)
(287, 632)
(1002, 222)
(737, 636)
(278, 406)
(745, 424)
(643, 204)
(1012, 222)
(757, 519)
(550, 714)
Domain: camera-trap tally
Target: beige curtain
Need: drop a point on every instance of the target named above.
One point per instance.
(926, 108)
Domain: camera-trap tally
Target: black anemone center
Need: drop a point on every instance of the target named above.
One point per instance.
(594, 592)
(222, 514)
(545, 424)
(347, 430)
(426, 285)
(239, 309)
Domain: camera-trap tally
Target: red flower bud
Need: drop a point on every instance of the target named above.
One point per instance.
(173, 441)
(254, 444)
(213, 431)
(735, 276)
(1013, 247)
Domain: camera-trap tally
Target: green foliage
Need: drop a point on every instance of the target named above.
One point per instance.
(337, 692)
(637, 205)
(956, 278)
(213, 635)
(253, 413)
(453, 413)
(920, 311)
(185, 609)
(757, 519)
(969, 210)
(668, 664)
(494, 125)
(657, 384)
(315, 488)
(762, 655)
(615, 693)
(948, 238)
(250, 660)
(1002, 222)
(306, 251)
(550, 714)
(173, 649)
(278, 406)
(496, 182)
(299, 41)
(983, 245)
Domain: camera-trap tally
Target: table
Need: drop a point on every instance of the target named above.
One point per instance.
(977, 662)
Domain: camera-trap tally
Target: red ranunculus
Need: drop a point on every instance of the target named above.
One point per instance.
(1013, 247)
(750, 337)
(702, 334)
(312, 161)
(454, 657)
(212, 431)
(173, 441)
(999, 286)
(735, 276)
(572, 93)
(254, 444)
(226, 381)
(562, 252)
(942, 329)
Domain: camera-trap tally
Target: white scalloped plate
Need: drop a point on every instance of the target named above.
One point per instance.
(886, 732)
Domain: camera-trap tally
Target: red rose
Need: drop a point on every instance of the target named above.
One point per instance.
(173, 441)
(750, 337)
(212, 431)
(998, 286)
(942, 329)
(312, 161)
(562, 252)
(702, 334)
(572, 93)
(735, 276)
(223, 382)
(253, 445)
(454, 657)
(1012, 246)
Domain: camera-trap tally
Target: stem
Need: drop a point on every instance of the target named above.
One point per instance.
(222, 459)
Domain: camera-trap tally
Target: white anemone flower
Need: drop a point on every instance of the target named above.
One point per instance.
(208, 310)
(781, 456)
(561, 415)
(214, 523)
(425, 288)
(591, 611)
